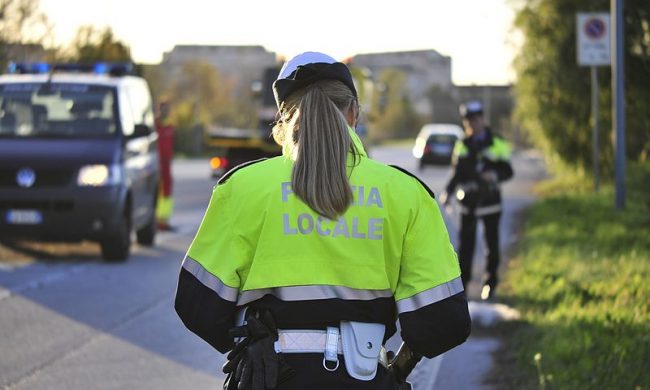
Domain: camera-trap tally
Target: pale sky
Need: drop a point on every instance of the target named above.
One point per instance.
(475, 33)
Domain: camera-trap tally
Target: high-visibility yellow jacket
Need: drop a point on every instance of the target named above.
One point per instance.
(260, 245)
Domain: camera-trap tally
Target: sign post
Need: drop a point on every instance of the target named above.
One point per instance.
(593, 34)
(618, 100)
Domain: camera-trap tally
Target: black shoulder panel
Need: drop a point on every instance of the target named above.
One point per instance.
(227, 175)
(426, 187)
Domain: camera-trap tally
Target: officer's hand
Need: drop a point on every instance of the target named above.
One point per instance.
(445, 199)
(259, 369)
(234, 365)
(397, 371)
(402, 363)
(253, 363)
(489, 176)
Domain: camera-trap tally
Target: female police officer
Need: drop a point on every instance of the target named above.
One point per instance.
(324, 248)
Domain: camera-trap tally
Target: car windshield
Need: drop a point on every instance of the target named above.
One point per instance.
(57, 110)
(441, 139)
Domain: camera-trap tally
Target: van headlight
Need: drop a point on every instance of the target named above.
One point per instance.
(99, 175)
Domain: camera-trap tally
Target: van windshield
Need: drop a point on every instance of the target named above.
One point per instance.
(57, 110)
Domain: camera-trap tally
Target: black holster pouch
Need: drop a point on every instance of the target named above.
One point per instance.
(253, 363)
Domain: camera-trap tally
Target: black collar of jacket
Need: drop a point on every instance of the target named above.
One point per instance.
(472, 145)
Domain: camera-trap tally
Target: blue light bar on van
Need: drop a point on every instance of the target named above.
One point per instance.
(101, 68)
(113, 69)
(33, 68)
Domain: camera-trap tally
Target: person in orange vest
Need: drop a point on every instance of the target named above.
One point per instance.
(165, 132)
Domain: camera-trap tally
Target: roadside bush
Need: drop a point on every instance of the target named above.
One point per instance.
(581, 281)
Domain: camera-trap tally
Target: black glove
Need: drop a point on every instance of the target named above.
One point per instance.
(401, 364)
(253, 363)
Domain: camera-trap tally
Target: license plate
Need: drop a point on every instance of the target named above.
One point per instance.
(442, 149)
(24, 217)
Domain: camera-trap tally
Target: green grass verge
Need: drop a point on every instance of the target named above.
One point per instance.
(581, 279)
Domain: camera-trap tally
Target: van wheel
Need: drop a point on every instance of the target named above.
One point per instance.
(147, 235)
(116, 246)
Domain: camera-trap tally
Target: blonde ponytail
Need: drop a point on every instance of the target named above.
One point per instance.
(317, 131)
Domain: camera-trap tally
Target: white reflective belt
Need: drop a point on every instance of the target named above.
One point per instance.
(469, 186)
(307, 341)
(331, 348)
(488, 210)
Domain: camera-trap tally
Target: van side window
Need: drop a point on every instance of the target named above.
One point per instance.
(126, 113)
(142, 105)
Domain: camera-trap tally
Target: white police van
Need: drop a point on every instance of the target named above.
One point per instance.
(78, 156)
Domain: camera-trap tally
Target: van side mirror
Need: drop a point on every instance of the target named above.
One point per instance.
(140, 130)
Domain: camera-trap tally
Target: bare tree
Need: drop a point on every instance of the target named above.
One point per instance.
(23, 31)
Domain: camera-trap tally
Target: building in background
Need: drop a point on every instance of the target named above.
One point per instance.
(242, 65)
(429, 85)
(425, 69)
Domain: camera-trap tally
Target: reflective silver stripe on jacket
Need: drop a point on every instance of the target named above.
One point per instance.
(468, 187)
(488, 210)
(430, 296)
(481, 211)
(210, 281)
(307, 293)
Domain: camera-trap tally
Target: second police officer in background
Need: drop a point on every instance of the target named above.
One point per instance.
(481, 162)
(324, 248)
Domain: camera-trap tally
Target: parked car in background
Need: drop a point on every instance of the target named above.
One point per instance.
(435, 143)
(78, 156)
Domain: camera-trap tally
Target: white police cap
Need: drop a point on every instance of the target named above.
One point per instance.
(473, 107)
(308, 57)
(307, 68)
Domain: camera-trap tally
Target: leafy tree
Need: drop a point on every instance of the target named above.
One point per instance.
(553, 92)
(393, 115)
(93, 44)
(363, 82)
(156, 78)
(200, 86)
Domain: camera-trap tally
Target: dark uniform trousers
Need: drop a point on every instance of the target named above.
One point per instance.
(468, 243)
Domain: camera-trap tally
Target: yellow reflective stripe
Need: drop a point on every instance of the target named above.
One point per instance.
(460, 149)
(313, 292)
(210, 281)
(165, 207)
(500, 150)
(430, 296)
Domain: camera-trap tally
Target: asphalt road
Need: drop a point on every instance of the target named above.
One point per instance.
(69, 321)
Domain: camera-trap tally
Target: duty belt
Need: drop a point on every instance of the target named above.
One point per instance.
(327, 342)
(306, 341)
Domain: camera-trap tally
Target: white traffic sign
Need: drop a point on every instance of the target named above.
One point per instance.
(593, 33)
